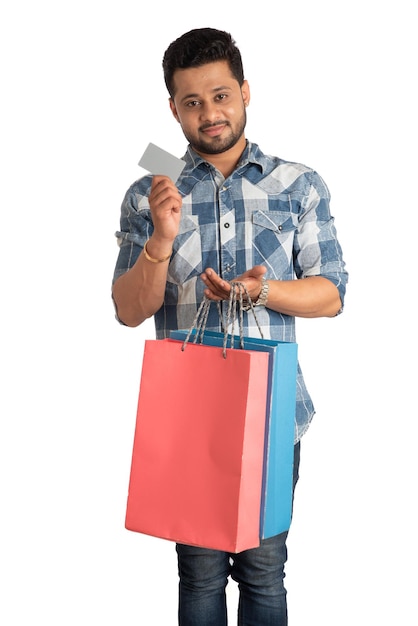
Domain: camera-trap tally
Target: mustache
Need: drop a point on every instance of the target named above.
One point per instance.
(219, 123)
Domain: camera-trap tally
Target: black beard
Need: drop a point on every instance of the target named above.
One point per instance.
(216, 145)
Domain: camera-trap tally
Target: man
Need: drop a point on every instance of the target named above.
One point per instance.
(234, 213)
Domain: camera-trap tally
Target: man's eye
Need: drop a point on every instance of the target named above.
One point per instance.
(193, 103)
(221, 96)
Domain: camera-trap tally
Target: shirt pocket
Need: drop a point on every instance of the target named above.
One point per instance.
(273, 239)
(280, 222)
(186, 263)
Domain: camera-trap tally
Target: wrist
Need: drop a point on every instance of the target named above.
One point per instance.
(157, 254)
(262, 297)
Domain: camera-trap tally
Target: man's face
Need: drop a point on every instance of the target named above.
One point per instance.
(210, 106)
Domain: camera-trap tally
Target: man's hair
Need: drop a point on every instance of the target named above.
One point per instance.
(198, 47)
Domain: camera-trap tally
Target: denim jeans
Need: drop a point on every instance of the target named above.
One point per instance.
(259, 573)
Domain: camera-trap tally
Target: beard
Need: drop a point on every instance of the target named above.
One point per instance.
(217, 145)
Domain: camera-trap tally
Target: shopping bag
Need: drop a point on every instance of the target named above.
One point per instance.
(277, 485)
(277, 496)
(197, 460)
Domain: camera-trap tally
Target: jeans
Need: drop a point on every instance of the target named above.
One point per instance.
(259, 573)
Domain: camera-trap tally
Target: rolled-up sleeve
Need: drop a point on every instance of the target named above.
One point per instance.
(316, 247)
(135, 227)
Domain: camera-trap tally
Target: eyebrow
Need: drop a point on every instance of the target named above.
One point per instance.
(215, 90)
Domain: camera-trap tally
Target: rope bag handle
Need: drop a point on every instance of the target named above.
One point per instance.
(236, 302)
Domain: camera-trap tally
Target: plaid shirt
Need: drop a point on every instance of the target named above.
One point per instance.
(268, 212)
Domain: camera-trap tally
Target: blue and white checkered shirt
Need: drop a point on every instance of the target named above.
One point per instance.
(268, 212)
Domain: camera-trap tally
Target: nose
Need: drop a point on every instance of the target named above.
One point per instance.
(210, 112)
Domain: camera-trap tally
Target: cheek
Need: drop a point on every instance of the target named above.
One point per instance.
(233, 111)
(187, 121)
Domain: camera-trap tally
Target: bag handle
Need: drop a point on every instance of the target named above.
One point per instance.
(236, 300)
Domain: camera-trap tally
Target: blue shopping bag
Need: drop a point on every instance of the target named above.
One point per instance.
(277, 484)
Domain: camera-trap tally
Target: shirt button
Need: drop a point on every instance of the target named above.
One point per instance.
(226, 225)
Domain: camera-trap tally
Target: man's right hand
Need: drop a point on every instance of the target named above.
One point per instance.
(139, 293)
(165, 203)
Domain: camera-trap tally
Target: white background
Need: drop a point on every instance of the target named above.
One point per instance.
(333, 86)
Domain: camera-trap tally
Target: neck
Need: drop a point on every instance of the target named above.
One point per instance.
(226, 162)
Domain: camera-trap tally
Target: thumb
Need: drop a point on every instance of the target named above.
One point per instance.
(257, 272)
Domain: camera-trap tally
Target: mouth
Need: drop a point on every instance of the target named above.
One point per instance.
(215, 130)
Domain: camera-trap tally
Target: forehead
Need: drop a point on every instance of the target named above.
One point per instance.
(198, 80)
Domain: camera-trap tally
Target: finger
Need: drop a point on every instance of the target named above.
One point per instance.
(215, 283)
(166, 195)
(158, 179)
(260, 269)
(256, 272)
(212, 296)
(211, 276)
(162, 184)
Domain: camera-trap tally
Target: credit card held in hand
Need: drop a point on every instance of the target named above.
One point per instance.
(158, 161)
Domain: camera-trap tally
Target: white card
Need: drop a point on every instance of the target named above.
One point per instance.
(158, 161)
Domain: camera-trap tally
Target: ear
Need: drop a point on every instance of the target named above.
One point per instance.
(173, 109)
(245, 91)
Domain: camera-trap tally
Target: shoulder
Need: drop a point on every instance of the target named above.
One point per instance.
(283, 176)
(141, 187)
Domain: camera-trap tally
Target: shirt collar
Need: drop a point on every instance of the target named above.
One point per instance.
(251, 155)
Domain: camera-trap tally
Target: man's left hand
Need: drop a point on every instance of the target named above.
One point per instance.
(219, 289)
